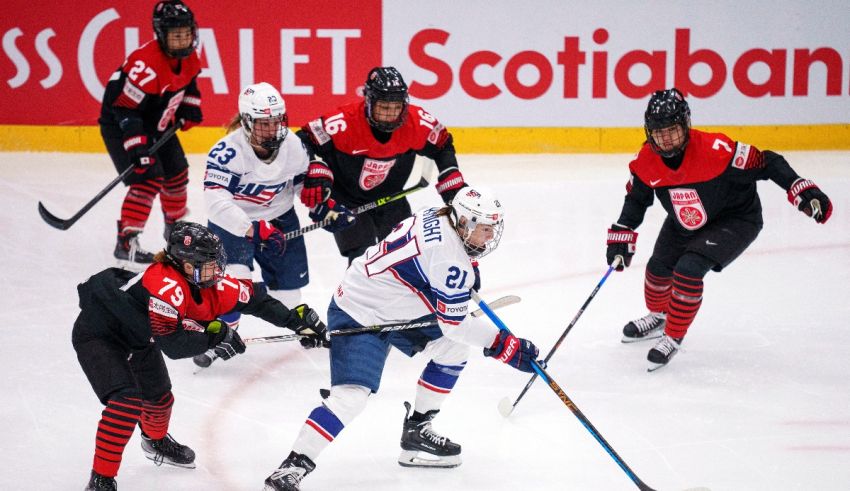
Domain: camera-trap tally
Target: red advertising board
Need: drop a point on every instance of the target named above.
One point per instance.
(56, 59)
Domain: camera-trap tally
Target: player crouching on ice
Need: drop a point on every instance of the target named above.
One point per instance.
(128, 320)
(706, 183)
(422, 269)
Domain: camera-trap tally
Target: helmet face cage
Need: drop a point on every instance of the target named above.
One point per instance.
(195, 244)
(171, 14)
(263, 103)
(477, 209)
(270, 139)
(667, 108)
(385, 84)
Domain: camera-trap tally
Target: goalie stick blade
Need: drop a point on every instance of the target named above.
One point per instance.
(505, 407)
(52, 219)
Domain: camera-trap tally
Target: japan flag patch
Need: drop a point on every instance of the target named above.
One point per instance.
(688, 208)
(374, 172)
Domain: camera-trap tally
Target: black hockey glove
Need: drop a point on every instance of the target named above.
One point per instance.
(190, 112)
(230, 345)
(305, 321)
(808, 198)
(317, 184)
(477, 284)
(516, 352)
(621, 242)
(340, 216)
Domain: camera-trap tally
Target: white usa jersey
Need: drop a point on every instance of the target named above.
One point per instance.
(420, 268)
(239, 188)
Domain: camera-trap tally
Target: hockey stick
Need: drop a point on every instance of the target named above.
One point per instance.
(566, 399)
(61, 224)
(505, 406)
(423, 183)
(498, 303)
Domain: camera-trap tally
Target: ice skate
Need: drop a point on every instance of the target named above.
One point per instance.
(663, 352)
(129, 253)
(422, 447)
(290, 473)
(649, 326)
(101, 483)
(168, 451)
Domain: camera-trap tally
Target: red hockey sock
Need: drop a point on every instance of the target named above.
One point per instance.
(156, 416)
(173, 197)
(114, 430)
(137, 205)
(656, 292)
(685, 301)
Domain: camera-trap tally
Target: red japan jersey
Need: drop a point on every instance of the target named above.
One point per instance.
(366, 169)
(153, 84)
(351, 133)
(707, 156)
(171, 304)
(716, 178)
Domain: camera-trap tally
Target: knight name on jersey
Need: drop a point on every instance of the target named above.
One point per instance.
(431, 226)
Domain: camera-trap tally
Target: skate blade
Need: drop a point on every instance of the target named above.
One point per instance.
(506, 407)
(655, 366)
(657, 335)
(415, 458)
(152, 457)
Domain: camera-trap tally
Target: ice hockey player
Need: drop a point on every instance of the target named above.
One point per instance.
(706, 183)
(367, 150)
(153, 89)
(252, 177)
(421, 270)
(127, 322)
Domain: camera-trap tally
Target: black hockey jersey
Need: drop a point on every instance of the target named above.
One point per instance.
(148, 89)
(717, 177)
(366, 169)
(160, 306)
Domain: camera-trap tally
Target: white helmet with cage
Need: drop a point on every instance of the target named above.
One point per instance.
(258, 103)
(477, 207)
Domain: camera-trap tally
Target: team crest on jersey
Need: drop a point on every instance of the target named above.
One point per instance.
(688, 208)
(374, 172)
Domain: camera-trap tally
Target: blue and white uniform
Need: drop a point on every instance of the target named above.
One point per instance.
(239, 189)
(421, 270)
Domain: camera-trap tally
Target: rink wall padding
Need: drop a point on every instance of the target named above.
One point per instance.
(16, 138)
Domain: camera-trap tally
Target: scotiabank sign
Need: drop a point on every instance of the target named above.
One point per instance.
(557, 63)
(57, 56)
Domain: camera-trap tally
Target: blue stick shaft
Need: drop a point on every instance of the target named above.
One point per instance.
(566, 400)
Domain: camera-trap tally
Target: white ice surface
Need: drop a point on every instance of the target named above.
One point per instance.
(758, 400)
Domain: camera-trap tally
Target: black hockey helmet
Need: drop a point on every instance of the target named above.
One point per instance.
(384, 83)
(169, 14)
(667, 108)
(195, 244)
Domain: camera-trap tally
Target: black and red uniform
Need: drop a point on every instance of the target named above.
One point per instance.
(368, 164)
(127, 321)
(143, 98)
(713, 210)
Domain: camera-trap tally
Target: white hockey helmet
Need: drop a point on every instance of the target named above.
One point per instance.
(478, 208)
(260, 102)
